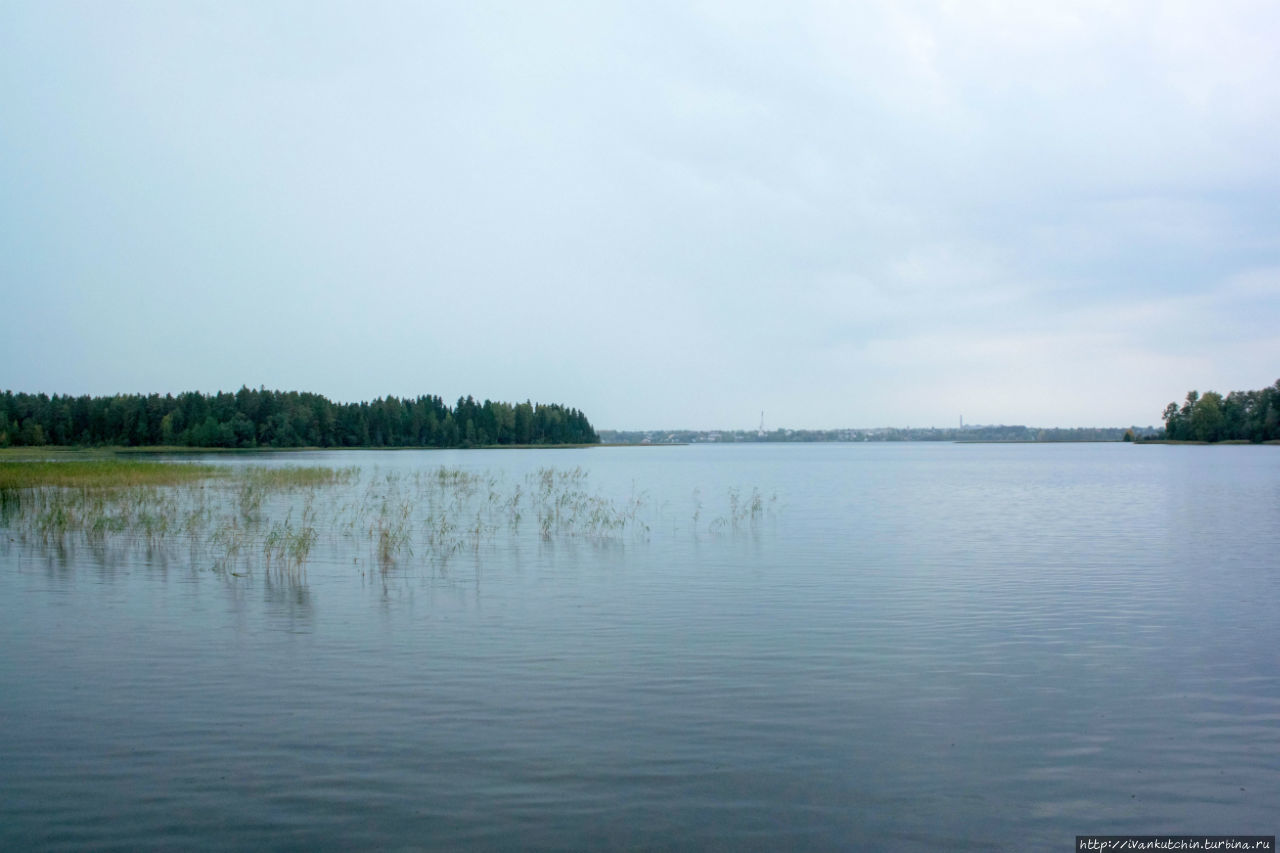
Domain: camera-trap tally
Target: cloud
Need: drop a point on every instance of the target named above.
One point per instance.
(664, 214)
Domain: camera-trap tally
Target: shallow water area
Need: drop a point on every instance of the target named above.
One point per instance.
(876, 646)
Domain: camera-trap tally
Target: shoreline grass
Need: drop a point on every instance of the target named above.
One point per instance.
(238, 518)
(101, 473)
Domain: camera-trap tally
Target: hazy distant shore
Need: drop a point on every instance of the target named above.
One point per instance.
(969, 434)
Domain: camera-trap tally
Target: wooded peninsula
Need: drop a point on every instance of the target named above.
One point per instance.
(1240, 416)
(261, 418)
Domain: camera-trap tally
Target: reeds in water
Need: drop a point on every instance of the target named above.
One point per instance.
(102, 473)
(238, 519)
(286, 546)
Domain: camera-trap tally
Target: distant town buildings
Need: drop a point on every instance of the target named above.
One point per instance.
(967, 432)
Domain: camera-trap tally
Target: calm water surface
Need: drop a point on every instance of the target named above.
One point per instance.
(913, 647)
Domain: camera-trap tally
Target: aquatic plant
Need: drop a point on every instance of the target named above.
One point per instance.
(244, 518)
(286, 546)
(227, 542)
(296, 477)
(102, 473)
(391, 539)
(250, 496)
(742, 511)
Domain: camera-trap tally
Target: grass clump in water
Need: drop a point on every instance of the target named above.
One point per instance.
(288, 545)
(158, 505)
(299, 478)
(102, 473)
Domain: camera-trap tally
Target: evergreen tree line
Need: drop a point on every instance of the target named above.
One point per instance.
(1239, 416)
(264, 418)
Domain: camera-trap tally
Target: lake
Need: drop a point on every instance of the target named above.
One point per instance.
(820, 646)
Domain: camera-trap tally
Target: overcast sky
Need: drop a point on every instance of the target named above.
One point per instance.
(667, 215)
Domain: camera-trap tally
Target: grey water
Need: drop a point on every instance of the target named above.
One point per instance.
(912, 647)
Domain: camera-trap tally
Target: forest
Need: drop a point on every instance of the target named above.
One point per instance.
(262, 418)
(1239, 416)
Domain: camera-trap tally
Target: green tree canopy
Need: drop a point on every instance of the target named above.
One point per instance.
(262, 418)
(1239, 416)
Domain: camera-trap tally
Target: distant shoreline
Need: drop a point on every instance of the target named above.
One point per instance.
(56, 450)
